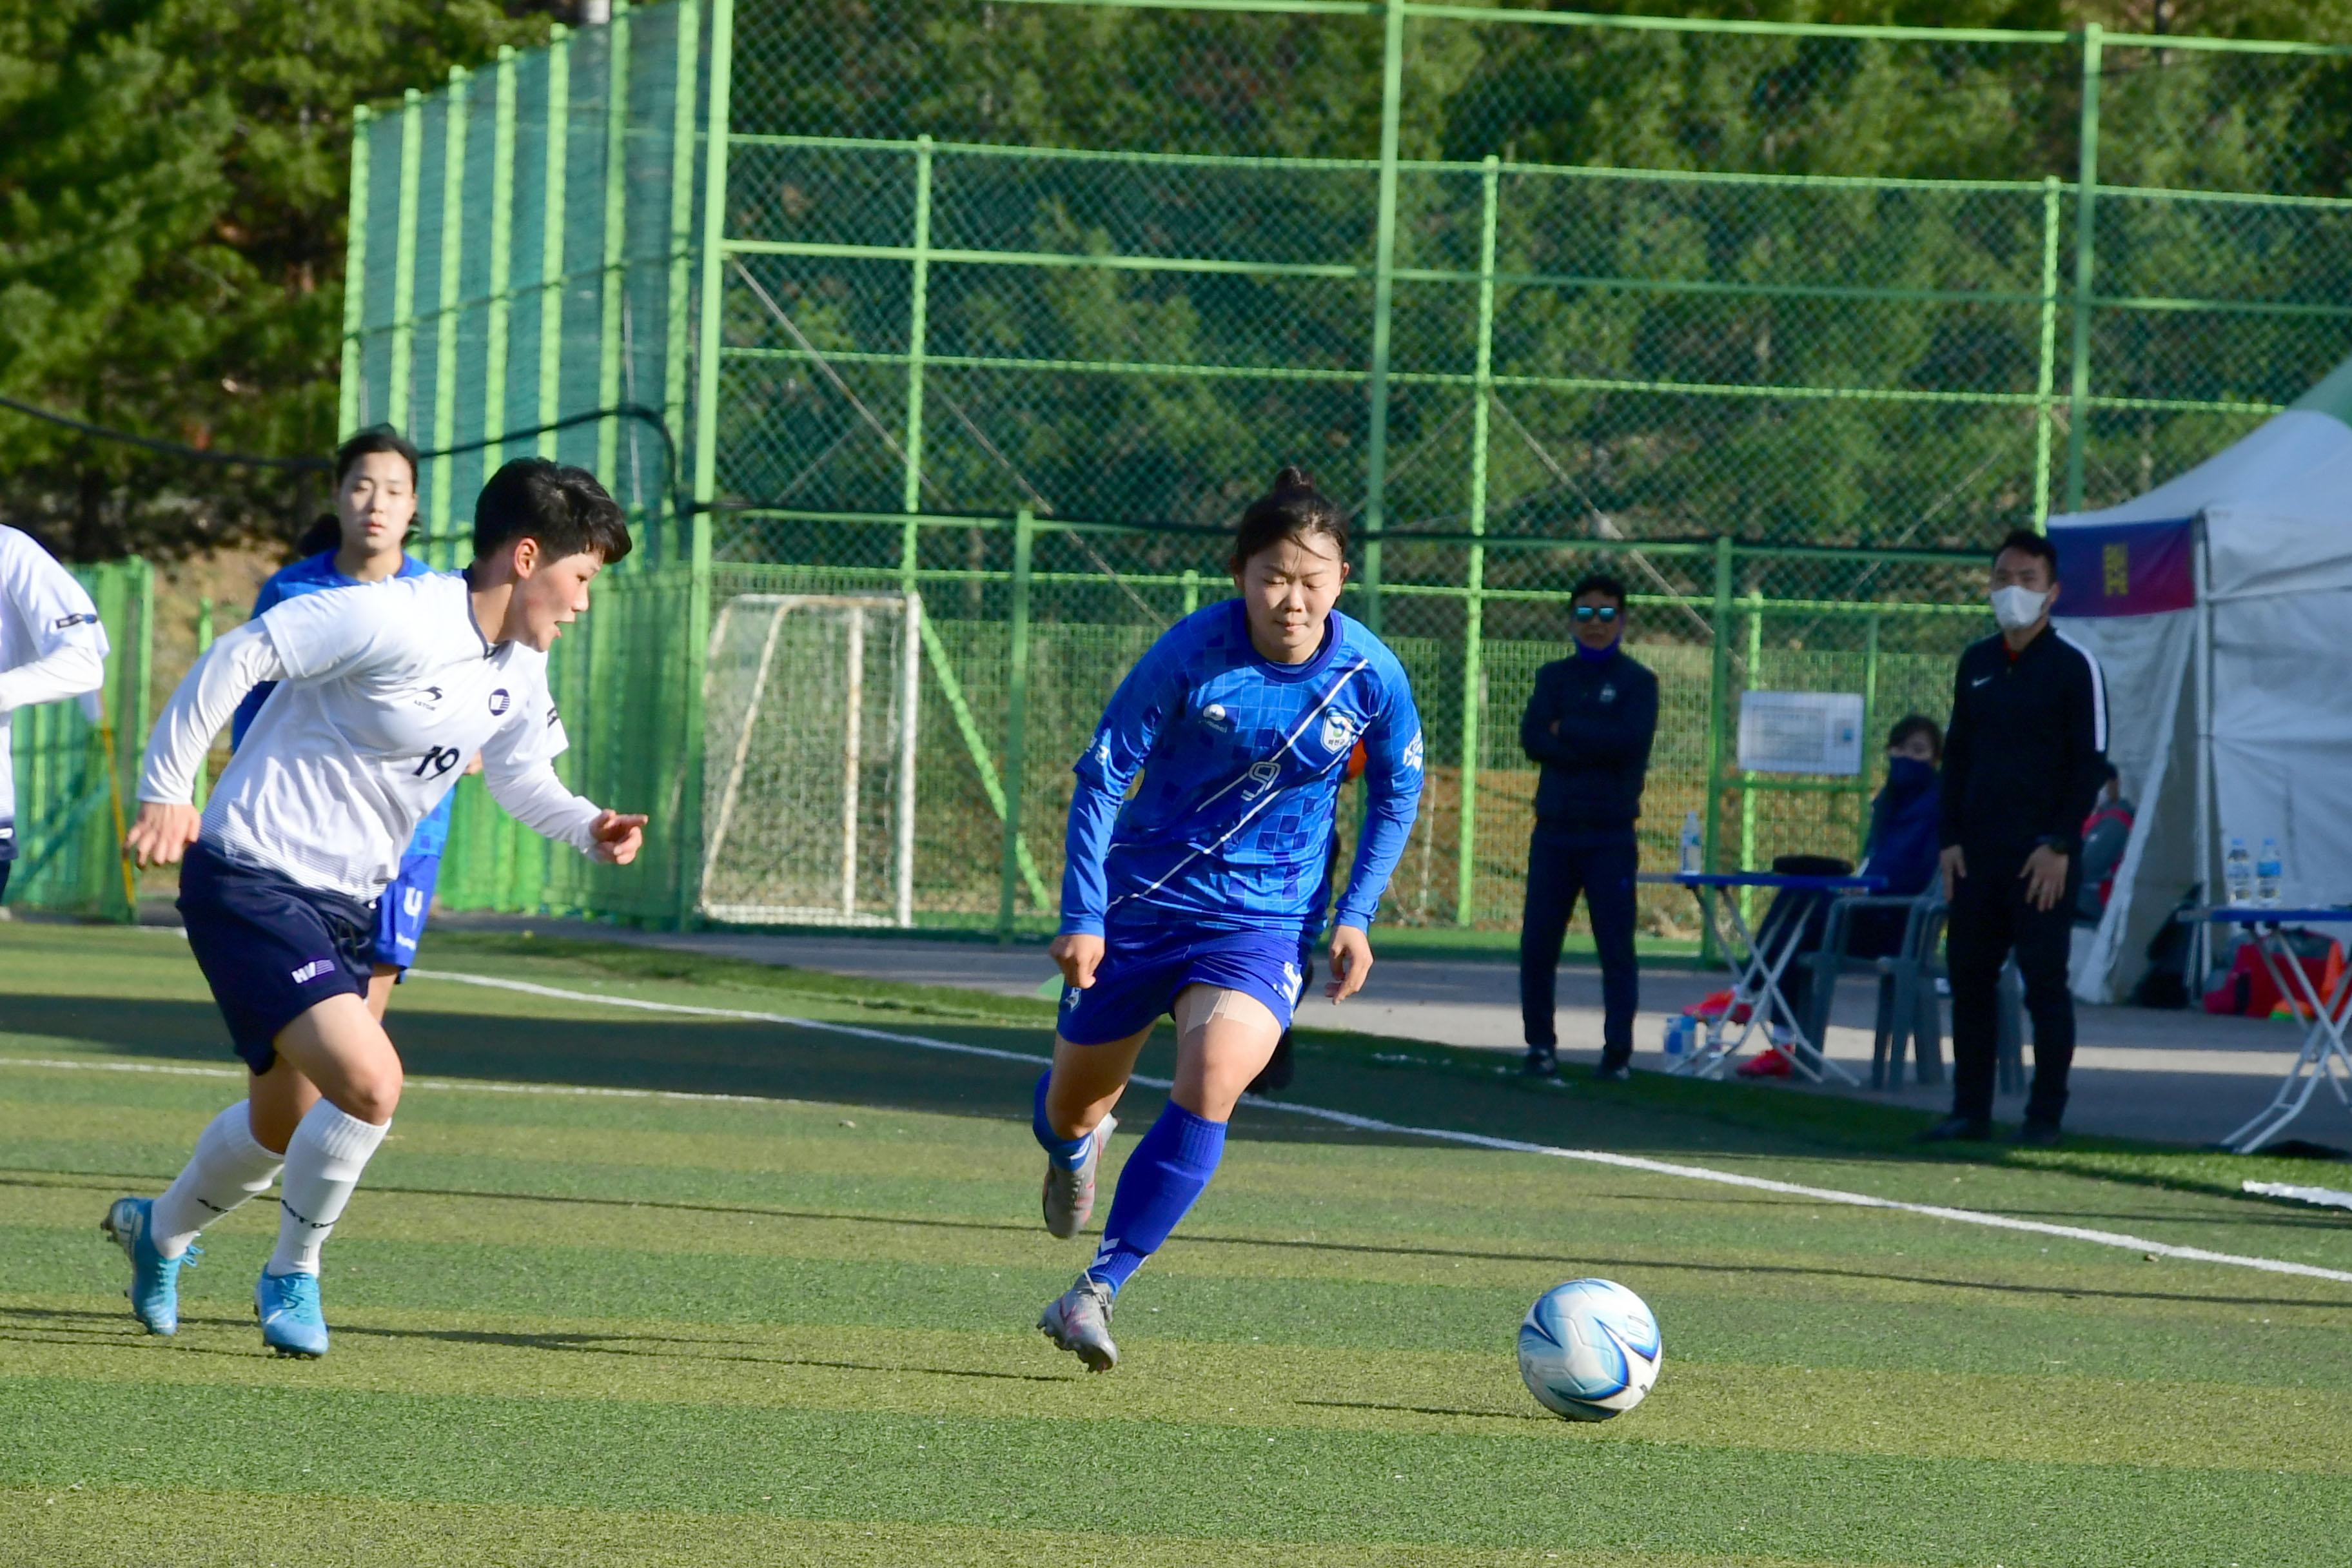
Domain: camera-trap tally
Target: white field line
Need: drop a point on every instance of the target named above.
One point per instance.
(1339, 1118)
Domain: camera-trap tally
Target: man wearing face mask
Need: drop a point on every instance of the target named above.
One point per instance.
(2024, 761)
(1589, 725)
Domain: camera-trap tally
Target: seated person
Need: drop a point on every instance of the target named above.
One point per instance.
(1901, 848)
(2106, 832)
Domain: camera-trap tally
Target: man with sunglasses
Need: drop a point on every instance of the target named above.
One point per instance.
(1589, 727)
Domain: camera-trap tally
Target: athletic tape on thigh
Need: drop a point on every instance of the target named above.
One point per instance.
(1198, 1006)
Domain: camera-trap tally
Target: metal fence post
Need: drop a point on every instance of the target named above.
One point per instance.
(397, 388)
(496, 334)
(203, 642)
(910, 488)
(1718, 704)
(444, 333)
(555, 205)
(677, 325)
(1016, 726)
(706, 453)
(1376, 444)
(1869, 728)
(1473, 675)
(612, 281)
(1754, 601)
(2085, 255)
(355, 228)
(2046, 374)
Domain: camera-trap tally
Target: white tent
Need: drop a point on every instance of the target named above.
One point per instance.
(2220, 605)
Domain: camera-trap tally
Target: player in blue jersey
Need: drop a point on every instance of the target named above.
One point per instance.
(1187, 892)
(362, 541)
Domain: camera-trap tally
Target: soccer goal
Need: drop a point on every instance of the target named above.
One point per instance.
(809, 715)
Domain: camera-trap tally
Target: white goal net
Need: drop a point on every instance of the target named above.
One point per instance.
(809, 716)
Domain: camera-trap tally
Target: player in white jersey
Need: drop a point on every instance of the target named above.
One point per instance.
(51, 647)
(383, 693)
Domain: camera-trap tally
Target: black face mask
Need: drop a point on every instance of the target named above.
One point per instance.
(1906, 775)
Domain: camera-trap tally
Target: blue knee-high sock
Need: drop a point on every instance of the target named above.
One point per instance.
(1067, 1152)
(1164, 1177)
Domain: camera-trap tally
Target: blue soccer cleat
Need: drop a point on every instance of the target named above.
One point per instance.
(154, 1289)
(287, 1306)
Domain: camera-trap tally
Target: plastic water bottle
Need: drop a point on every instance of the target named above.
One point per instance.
(1693, 846)
(2266, 875)
(2238, 873)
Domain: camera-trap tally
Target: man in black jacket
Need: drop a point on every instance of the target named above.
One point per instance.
(2024, 762)
(1589, 724)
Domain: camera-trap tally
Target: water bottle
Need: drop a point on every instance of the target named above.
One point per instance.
(1693, 846)
(2266, 875)
(2238, 873)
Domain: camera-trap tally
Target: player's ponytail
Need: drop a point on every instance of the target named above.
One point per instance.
(1293, 509)
(322, 536)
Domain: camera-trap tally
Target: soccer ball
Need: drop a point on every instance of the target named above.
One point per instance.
(1589, 1349)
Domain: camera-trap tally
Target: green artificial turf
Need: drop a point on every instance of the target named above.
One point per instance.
(794, 1327)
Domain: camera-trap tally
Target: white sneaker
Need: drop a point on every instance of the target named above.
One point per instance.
(1068, 1200)
(1080, 1322)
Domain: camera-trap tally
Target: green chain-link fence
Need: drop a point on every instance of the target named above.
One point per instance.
(1783, 322)
(75, 778)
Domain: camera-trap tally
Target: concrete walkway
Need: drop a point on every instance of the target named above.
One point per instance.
(2180, 1077)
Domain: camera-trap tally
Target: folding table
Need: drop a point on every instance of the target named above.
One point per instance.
(1756, 967)
(2324, 1055)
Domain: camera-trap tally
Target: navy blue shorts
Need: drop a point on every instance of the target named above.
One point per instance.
(1142, 971)
(271, 948)
(400, 913)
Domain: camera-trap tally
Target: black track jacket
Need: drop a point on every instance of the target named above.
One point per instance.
(2022, 761)
(1594, 764)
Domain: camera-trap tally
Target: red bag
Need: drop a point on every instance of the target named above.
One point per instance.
(1714, 1006)
(2247, 990)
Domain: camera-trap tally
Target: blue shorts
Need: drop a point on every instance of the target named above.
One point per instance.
(1142, 971)
(270, 948)
(400, 913)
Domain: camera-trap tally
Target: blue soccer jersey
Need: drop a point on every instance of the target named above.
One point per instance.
(315, 575)
(1240, 761)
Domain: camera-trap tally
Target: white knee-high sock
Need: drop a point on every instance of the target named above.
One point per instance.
(227, 1168)
(323, 1165)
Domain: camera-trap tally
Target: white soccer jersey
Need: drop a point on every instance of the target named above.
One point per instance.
(51, 647)
(385, 691)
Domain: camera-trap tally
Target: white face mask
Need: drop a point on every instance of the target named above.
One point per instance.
(2016, 608)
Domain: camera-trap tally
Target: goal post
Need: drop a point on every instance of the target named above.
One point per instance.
(810, 719)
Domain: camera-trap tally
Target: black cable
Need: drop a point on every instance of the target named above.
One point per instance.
(169, 449)
(636, 411)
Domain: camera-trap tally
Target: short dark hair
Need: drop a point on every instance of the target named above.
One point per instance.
(1293, 509)
(374, 438)
(563, 508)
(1600, 582)
(1912, 724)
(2031, 543)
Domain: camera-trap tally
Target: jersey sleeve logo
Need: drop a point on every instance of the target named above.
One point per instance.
(1413, 752)
(67, 623)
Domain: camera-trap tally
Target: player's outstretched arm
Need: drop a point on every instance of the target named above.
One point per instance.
(1393, 772)
(207, 695)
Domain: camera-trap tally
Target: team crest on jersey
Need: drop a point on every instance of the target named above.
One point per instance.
(1339, 730)
(1216, 717)
(500, 703)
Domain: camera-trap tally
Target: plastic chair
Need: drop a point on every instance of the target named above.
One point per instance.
(1899, 992)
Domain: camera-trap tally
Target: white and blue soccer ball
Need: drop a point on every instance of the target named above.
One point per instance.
(1589, 1349)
